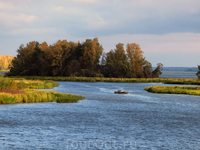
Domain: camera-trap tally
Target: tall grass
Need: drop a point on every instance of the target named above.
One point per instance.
(20, 83)
(33, 96)
(174, 90)
(18, 90)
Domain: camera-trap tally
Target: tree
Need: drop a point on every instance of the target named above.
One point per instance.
(116, 64)
(147, 69)
(59, 53)
(92, 53)
(5, 61)
(22, 64)
(136, 59)
(157, 71)
(198, 73)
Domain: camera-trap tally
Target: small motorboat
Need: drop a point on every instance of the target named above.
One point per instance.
(121, 92)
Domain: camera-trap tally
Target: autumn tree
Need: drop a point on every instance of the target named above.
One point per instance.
(92, 53)
(136, 59)
(5, 61)
(80, 59)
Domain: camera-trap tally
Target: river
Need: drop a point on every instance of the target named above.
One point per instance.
(104, 120)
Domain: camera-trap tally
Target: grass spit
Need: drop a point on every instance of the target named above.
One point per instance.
(174, 90)
(103, 79)
(19, 90)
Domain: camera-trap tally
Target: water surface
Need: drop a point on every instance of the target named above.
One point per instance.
(104, 120)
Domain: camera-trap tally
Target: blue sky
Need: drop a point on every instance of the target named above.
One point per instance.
(167, 31)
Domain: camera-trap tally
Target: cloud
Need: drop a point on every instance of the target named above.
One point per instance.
(85, 1)
(14, 20)
(160, 27)
(32, 31)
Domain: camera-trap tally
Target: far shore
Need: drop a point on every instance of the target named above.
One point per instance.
(104, 79)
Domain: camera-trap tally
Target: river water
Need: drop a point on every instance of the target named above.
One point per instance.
(179, 74)
(104, 120)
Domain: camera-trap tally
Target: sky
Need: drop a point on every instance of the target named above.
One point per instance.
(168, 32)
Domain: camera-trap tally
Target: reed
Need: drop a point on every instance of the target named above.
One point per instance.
(103, 79)
(20, 83)
(174, 90)
(33, 96)
(92, 79)
(18, 90)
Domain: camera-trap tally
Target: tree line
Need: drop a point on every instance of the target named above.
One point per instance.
(87, 59)
(5, 61)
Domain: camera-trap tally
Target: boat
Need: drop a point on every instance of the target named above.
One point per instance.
(121, 92)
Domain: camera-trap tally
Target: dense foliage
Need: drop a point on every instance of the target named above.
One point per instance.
(5, 61)
(81, 60)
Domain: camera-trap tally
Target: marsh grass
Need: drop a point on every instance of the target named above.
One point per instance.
(103, 79)
(174, 90)
(20, 83)
(18, 90)
(33, 96)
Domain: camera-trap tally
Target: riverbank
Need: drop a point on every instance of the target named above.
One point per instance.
(21, 91)
(103, 79)
(174, 90)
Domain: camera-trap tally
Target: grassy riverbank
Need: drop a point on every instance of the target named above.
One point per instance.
(20, 91)
(33, 96)
(174, 90)
(102, 79)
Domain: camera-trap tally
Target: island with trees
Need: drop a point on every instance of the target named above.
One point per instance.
(75, 61)
(82, 60)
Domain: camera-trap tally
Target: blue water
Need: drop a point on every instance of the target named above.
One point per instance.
(104, 120)
(179, 74)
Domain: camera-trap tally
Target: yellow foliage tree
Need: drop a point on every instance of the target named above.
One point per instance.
(5, 61)
(136, 59)
(92, 52)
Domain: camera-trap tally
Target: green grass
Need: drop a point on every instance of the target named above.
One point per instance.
(174, 90)
(103, 79)
(21, 83)
(33, 96)
(19, 90)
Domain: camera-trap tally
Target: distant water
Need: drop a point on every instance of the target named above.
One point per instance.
(179, 74)
(2, 72)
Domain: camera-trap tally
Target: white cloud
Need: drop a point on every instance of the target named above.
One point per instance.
(160, 27)
(14, 20)
(32, 31)
(6, 6)
(85, 1)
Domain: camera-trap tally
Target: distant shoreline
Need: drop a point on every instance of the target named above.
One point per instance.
(189, 69)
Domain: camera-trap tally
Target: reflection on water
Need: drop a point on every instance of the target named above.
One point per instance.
(104, 120)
